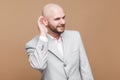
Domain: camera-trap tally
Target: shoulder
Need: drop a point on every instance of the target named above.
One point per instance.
(71, 33)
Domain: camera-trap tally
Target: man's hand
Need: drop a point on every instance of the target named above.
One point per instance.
(41, 26)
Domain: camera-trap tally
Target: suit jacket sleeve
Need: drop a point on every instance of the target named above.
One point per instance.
(85, 69)
(37, 53)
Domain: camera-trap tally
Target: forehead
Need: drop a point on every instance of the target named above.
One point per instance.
(55, 13)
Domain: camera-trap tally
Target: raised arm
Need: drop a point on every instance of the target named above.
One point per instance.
(37, 48)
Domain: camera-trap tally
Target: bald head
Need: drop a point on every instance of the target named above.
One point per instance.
(50, 9)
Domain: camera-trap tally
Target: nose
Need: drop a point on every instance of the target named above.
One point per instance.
(62, 21)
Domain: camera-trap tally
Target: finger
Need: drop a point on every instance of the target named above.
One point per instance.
(40, 22)
(41, 25)
(40, 19)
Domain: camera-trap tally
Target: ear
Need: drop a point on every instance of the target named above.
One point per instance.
(43, 20)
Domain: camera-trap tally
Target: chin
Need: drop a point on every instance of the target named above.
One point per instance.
(61, 30)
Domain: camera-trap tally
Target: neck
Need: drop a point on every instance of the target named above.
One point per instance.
(55, 35)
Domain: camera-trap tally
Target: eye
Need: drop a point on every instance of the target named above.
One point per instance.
(57, 18)
(63, 17)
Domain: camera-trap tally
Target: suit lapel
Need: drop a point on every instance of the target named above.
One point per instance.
(53, 49)
(65, 45)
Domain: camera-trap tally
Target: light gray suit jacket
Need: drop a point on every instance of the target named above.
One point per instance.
(45, 57)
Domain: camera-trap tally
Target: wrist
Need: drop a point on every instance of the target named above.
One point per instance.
(43, 38)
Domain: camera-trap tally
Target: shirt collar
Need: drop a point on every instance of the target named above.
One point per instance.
(60, 38)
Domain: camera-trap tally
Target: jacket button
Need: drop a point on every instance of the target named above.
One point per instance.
(65, 65)
(67, 78)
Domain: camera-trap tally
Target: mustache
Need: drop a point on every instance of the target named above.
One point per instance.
(62, 25)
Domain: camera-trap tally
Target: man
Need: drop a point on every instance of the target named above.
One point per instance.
(58, 53)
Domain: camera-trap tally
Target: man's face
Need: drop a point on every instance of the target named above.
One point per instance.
(56, 21)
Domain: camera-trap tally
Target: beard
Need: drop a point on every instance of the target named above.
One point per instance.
(58, 29)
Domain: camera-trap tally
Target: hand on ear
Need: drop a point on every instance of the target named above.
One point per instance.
(42, 23)
(43, 20)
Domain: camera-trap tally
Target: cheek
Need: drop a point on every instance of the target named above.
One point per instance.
(53, 23)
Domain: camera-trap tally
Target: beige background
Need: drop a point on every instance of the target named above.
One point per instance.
(97, 20)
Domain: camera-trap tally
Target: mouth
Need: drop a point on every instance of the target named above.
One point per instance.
(61, 27)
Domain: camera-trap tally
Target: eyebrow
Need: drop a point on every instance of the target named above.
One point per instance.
(64, 16)
(59, 18)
